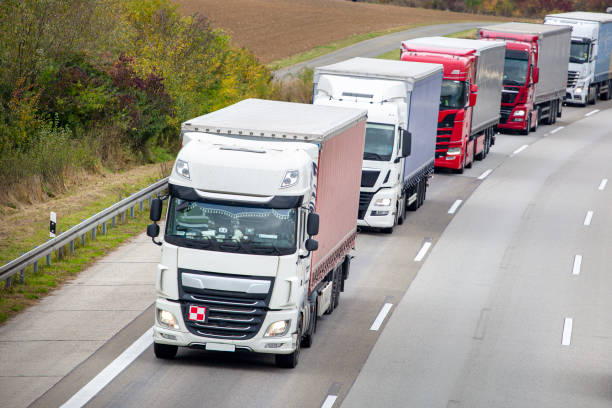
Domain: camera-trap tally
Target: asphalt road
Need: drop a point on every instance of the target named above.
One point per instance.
(480, 326)
(379, 45)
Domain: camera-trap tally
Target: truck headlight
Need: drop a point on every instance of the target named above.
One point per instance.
(383, 202)
(278, 329)
(519, 112)
(454, 151)
(182, 168)
(578, 90)
(167, 319)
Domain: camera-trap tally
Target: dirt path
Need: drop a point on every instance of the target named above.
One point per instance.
(282, 28)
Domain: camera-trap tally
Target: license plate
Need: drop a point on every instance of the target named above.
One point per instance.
(197, 313)
(220, 347)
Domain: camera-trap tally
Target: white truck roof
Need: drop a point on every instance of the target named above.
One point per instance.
(277, 120)
(584, 15)
(528, 28)
(455, 43)
(381, 69)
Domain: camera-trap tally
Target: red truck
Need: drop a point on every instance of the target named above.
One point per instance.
(535, 74)
(466, 124)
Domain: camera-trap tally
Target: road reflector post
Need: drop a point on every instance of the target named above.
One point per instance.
(52, 224)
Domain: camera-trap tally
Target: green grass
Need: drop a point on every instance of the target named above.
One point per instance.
(326, 49)
(18, 296)
(394, 55)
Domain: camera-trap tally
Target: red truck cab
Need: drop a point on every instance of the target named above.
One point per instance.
(455, 147)
(517, 110)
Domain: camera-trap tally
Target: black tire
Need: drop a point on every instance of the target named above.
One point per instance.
(164, 351)
(592, 101)
(289, 360)
(527, 129)
(402, 217)
(469, 166)
(559, 108)
(307, 339)
(338, 284)
(534, 126)
(415, 204)
(460, 170)
(551, 112)
(554, 116)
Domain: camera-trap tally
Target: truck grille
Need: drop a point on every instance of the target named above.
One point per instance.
(364, 203)
(508, 95)
(504, 113)
(369, 177)
(572, 77)
(229, 315)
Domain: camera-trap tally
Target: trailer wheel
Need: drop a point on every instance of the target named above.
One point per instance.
(415, 204)
(164, 351)
(554, 115)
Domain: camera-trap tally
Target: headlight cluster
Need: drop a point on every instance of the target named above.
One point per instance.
(167, 319)
(383, 202)
(278, 329)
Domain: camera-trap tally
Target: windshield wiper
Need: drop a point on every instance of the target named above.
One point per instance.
(368, 156)
(267, 248)
(238, 245)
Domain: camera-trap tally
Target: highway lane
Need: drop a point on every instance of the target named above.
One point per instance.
(501, 315)
(381, 272)
(378, 46)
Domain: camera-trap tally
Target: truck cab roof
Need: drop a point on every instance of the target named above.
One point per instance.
(524, 30)
(380, 69)
(455, 67)
(453, 46)
(584, 15)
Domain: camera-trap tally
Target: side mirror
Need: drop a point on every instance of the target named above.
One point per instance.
(536, 75)
(311, 244)
(153, 230)
(473, 94)
(406, 143)
(156, 210)
(312, 224)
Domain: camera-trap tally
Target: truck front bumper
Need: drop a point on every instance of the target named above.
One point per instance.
(449, 162)
(576, 95)
(379, 216)
(184, 338)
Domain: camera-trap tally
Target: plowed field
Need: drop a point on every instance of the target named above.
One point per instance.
(275, 29)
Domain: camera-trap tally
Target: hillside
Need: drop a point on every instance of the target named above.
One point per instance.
(282, 28)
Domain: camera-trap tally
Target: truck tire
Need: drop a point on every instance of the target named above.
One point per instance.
(527, 129)
(534, 126)
(164, 351)
(551, 113)
(594, 99)
(402, 217)
(559, 108)
(307, 339)
(415, 204)
(289, 360)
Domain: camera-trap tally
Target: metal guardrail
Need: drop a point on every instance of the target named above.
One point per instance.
(80, 231)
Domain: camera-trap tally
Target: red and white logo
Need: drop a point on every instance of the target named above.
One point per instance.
(197, 313)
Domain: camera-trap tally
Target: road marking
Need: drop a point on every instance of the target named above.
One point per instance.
(421, 254)
(577, 265)
(485, 174)
(591, 112)
(552, 132)
(381, 316)
(454, 207)
(567, 331)
(520, 149)
(603, 183)
(588, 218)
(329, 401)
(332, 395)
(92, 388)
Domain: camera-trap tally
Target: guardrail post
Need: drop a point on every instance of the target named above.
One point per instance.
(60, 254)
(83, 237)
(22, 276)
(150, 201)
(123, 217)
(48, 259)
(114, 222)
(104, 228)
(35, 267)
(132, 212)
(141, 205)
(72, 247)
(93, 234)
(8, 282)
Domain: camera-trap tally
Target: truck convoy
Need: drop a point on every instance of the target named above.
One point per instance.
(252, 186)
(402, 103)
(535, 73)
(589, 73)
(466, 124)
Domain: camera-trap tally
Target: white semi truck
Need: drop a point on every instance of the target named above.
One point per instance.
(252, 187)
(589, 72)
(402, 100)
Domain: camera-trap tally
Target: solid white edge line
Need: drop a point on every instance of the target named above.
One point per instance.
(454, 207)
(566, 340)
(92, 388)
(485, 174)
(329, 401)
(556, 130)
(520, 149)
(421, 254)
(591, 112)
(381, 316)
(577, 265)
(588, 218)
(603, 183)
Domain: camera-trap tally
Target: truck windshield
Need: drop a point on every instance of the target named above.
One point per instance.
(378, 141)
(579, 52)
(453, 94)
(231, 228)
(515, 68)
